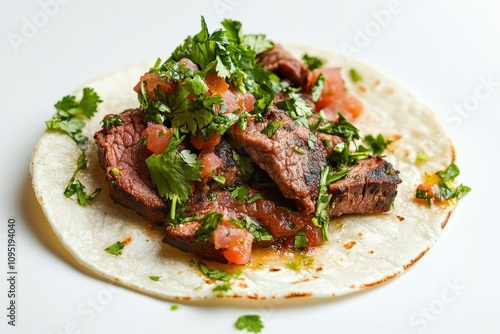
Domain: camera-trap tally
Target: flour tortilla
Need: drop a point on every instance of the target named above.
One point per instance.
(364, 251)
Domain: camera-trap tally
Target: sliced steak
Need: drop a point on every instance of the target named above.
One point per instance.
(229, 168)
(285, 65)
(293, 157)
(125, 169)
(370, 187)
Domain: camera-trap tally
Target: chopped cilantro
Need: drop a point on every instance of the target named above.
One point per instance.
(296, 106)
(421, 158)
(355, 76)
(376, 145)
(271, 128)
(300, 240)
(224, 287)
(445, 188)
(154, 278)
(449, 173)
(76, 187)
(212, 196)
(174, 307)
(220, 179)
(217, 274)
(239, 192)
(312, 62)
(252, 323)
(115, 249)
(112, 121)
(208, 225)
(299, 150)
(254, 198)
(258, 231)
(321, 218)
(317, 88)
(311, 141)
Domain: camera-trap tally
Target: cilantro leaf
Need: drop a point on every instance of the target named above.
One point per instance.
(70, 115)
(271, 128)
(318, 86)
(376, 145)
(449, 173)
(115, 249)
(171, 175)
(322, 216)
(258, 43)
(300, 240)
(76, 187)
(355, 76)
(208, 225)
(258, 231)
(218, 274)
(154, 278)
(252, 323)
(312, 62)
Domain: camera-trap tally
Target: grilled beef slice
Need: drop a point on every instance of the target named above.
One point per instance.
(293, 157)
(125, 169)
(284, 64)
(229, 169)
(370, 187)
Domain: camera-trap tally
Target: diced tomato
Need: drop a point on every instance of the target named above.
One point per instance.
(248, 101)
(427, 188)
(153, 80)
(334, 98)
(158, 136)
(235, 242)
(210, 162)
(216, 84)
(189, 64)
(207, 145)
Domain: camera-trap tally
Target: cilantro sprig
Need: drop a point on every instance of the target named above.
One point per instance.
(71, 113)
(69, 119)
(172, 173)
(251, 323)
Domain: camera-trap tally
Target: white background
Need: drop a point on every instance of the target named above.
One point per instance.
(443, 51)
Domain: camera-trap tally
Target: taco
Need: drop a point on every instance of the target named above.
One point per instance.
(253, 173)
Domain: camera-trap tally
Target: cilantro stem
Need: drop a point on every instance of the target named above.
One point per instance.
(173, 207)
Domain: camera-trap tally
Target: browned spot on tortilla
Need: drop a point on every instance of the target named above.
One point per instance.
(407, 154)
(371, 252)
(117, 279)
(40, 199)
(352, 286)
(298, 294)
(305, 280)
(179, 272)
(362, 88)
(207, 281)
(319, 269)
(376, 83)
(186, 298)
(256, 296)
(243, 285)
(445, 221)
(350, 244)
(237, 296)
(127, 241)
(412, 262)
(333, 295)
(385, 279)
(390, 91)
(400, 218)
(360, 235)
(263, 298)
(273, 270)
